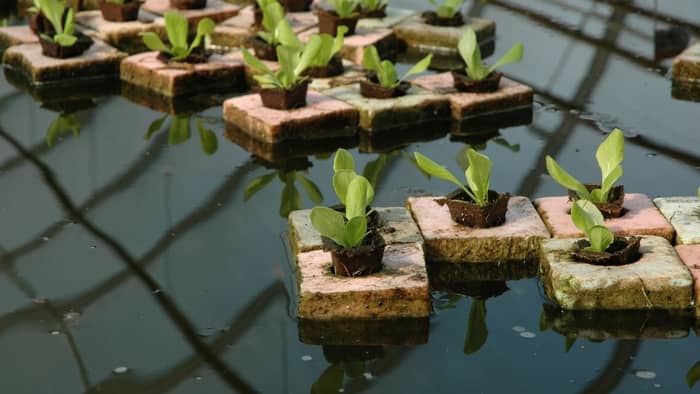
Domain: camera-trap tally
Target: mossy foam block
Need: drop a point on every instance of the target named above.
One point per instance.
(641, 218)
(658, 280)
(510, 96)
(690, 256)
(354, 46)
(351, 74)
(684, 215)
(216, 10)
(397, 227)
(99, 61)
(400, 290)
(236, 31)
(16, 35)
(221, 73)
(417, 107)
(123, 35)
(416, 33)
(393, 17)
(686, 67)
(322, 117)
(518, 239)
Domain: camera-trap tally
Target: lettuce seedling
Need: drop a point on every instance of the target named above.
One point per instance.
(344, 173)
(344, 8)
(448, 9)
(478, 175)
(372, 5)
(330, 46)
(386, 71)
(589, 220)
(350, 229)
(609, 155)
(177, 28)
(53, 11)
(293, 62)
(471, 54)
(277, 29)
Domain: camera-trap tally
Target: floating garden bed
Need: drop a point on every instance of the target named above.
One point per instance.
(353, 50)
(238, 30)
(684, 215)
(216, 10)
(122, 35)
(392, 17)
(166, 104)
(690, 256)
(415, 32)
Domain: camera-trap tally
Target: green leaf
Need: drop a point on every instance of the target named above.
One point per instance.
(600, 238)
(436, 170)
(469, 50)
(53, 11)
(693, 374)
(205, 27)
(330, 381)
(286, 36)
(343, 161)
(288, 58)
(387, 74)
(207, 138)
(358, 197)
(371, 60)
(325, 53)
(609, 156)
(307, 56)
(585, 215)
(565, 179)
(419, 67)
(69, 24)
(514, 55)
(374, 168)
(329, 223)
(176, 28)
(154, 127)
(478, 175)
(311, 188)
(65, 40)
(273, 13)
(179, 130)
(355, 231)
(257, 184)
(153, 42)
(341, 182)
(254, 62)
(609, 182)
(477, 332)
(339, 40)
(354, 369)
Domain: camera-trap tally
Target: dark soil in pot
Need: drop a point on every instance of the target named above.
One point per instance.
(328, 22)
(622, 251)
(432, 18)
(370, 88)
(53, 49)
(285, 99)
(114, 12)
(363, 260)
(465, 212)
(263, 50)
(332, 69)
(296, 5)
(188, 4)
(198, 55)
(374, 14)
(464, 84)
(613, 208)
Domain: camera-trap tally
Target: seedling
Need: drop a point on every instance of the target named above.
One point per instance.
(293, 62)
(344, 174)
(609, 155)
(448, 8)
(373, 5)
(177, 28)
(180, 130)
(277, 28)
(350, 229)
(330, 46)
(53, 10)
(471, 54)
(386, 71)
(589, 220)
(344, 8)
(478, 175)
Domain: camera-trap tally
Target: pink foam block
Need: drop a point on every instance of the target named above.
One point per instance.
(641, 218)
(322, 117)
(16, 35)
(690, 255)
(518, 239)
(510, 95)
(353, 49)
(217, 10)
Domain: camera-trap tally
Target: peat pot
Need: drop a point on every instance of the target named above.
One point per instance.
(465, 212)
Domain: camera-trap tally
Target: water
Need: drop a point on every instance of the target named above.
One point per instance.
(181, 215)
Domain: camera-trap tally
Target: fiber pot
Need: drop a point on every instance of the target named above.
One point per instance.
(38, 24)
(113, 12)
(465, 212)
(375, 14)
(622, 251)
(263, 50)
(53, 49)
(432, 18)
(464, 84)
(363, 260)
(188, 4)
(328, 22)
(332, 69)
(370, 88)
(285, 99)
(296, 5)
(613, 208)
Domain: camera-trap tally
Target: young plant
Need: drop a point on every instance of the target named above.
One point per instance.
(330, 46)
(277, 29)
(471, 53)
(350, 229)
(344, 8)
(589, 220)
(386, 71)
(343, 174)
(448, 8)
(176, 26)
(293, 62)
(53, 11)
(609, 155)
(478, 175)
(372, 5)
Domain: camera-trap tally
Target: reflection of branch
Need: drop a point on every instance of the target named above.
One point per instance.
(615, 370)
(162, 298)
(655, 15)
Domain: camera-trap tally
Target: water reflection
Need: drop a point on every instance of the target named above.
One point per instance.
(180, 130)
(346, 361)
(290, 199)
(64, 123)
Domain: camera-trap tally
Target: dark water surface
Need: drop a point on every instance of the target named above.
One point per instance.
(75, 318)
